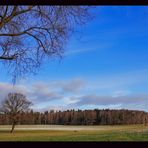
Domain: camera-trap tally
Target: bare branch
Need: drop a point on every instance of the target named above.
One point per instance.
(14, 14)
(13, 105)
(13, 57)
(31, 34)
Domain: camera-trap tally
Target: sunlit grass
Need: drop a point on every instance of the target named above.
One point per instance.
(91, 133)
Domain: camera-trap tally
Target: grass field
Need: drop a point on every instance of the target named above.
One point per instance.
(74, 133)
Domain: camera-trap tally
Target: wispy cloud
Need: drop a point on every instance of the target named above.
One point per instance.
(99, 47)
(121, 93)
(76, 51)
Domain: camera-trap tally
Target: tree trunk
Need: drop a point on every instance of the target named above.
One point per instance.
(13, 125)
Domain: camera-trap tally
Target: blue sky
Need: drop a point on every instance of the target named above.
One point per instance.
(104, 66)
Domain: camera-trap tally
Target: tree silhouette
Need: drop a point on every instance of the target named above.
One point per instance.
(13, 105)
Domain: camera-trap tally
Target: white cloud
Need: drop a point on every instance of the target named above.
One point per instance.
(5, 88)
(43, 93)
(109, 100)
(79, 92)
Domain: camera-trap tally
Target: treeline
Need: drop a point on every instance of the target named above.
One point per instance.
(80, 117)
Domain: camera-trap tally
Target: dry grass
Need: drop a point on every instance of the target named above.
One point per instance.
(74, 133)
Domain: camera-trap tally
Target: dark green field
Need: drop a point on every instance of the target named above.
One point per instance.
(75, 133)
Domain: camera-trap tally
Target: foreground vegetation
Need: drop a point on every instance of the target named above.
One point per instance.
(75, 133)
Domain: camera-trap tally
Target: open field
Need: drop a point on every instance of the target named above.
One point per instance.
(74, 133)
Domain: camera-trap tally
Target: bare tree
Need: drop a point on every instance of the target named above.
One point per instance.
(29, 34)
(13, 105)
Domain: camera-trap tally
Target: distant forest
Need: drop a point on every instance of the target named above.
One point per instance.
(80, 117)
